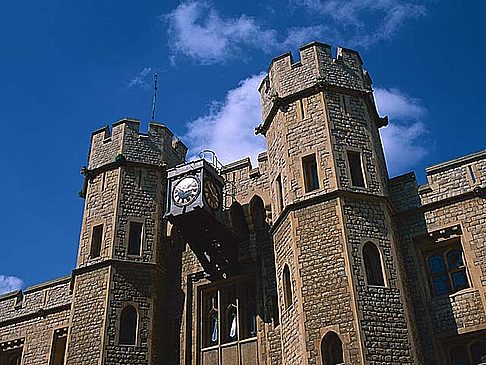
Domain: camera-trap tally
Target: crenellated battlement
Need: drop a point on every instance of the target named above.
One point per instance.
(35, 300)
(316, 68)
(155, 147)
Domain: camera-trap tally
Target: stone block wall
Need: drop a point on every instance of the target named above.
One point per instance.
(449, 209)
(33, 315)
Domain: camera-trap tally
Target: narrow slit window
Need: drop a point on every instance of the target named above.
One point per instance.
(58, 348)
(302, 109)
(279, 192)
(135, 238)
(311, 179)
(345, 105)
(140, 178)
(103, 181)
(472, 175)
(96, 239)
(356, 169)
(287, 287)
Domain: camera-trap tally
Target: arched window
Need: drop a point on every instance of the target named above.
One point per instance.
(372, 263)
(238, 220)
(287, 286)
(257, 212)
(128, 326)
(332, 349)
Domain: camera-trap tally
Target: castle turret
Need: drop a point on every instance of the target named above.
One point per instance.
(118, 284)
(338, 277)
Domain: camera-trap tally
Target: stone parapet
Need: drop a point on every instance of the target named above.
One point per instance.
(35, 300)
(157, 146)
(317, 67)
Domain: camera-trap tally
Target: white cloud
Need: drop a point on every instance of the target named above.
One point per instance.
(403, 139)
(10, 283)
(229, 127)
(141, 79)
(198, 31)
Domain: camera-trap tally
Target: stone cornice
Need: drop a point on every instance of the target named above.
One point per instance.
(327, 197)
(321, 85)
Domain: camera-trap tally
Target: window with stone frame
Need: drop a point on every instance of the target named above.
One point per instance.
(470, 352)
(58, 347)
(11, 352)
(446, 269)
(135, 236)
(332, 349)
(96, 240)
(128, 326)
(356, 169)
(228, 321)
(311, 178)
(280, 193)
(287, 286)
(372, 264)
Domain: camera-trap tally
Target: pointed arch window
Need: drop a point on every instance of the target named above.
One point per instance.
(372, 263)
(128, 326)
(332, 349)
(287, 286)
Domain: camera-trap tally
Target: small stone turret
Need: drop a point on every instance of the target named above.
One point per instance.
(121, 258)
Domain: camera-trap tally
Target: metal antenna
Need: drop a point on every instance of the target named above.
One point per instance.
(154, 100)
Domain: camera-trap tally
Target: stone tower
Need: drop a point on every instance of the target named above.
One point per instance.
(338, 271)
(119, 279)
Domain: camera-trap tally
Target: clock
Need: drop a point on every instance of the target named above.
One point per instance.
(211, 194)
(186, 191)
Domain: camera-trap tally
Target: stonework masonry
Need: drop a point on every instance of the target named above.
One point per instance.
(337, 262)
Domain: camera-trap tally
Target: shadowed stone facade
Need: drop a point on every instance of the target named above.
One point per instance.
(338, 263)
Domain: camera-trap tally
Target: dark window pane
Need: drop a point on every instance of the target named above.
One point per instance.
(135, 238)
(441, 284)
(354, 159)
(436, 264)
(459, 356)
(459, 280)
(372, 263)
(454, 259)
(96, 238)
(478, 352)
(311, 180)
(332, 349)
(287, 287)
(128, 326)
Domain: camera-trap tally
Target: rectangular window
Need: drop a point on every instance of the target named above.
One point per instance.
(447, 270)
(228, 315)
(279, 186)
(96, 239)
(311, 179)
(11, 352)
(356, 169)
(58, 348)
(135, 238)
(301, 109)
(472, 175)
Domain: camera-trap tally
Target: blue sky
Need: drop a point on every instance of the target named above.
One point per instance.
(70, 67)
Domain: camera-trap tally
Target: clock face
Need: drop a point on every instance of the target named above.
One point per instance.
(211, 194)
(186, 191)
